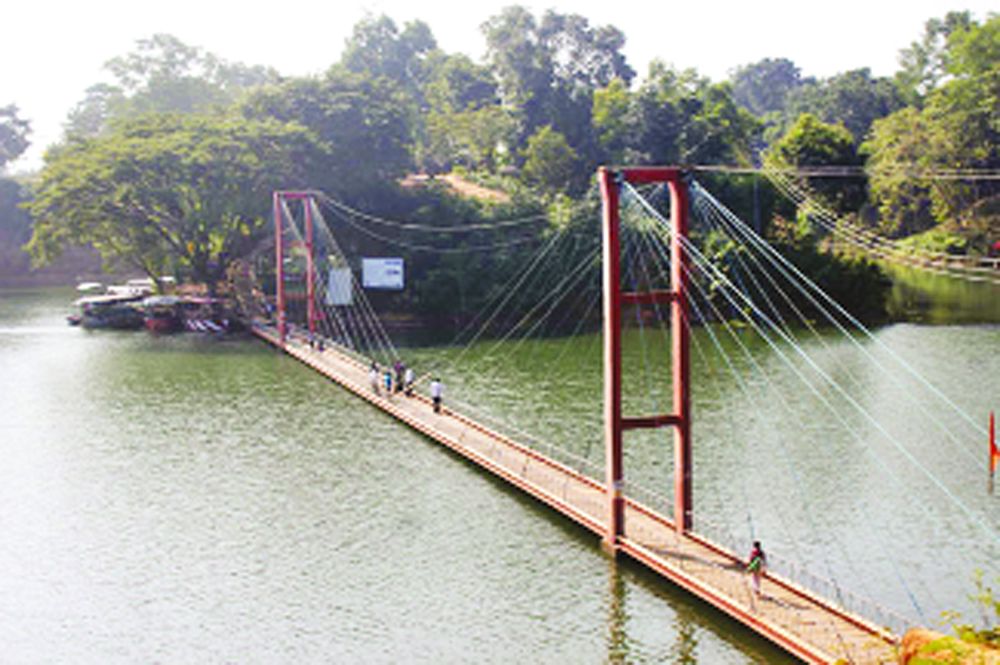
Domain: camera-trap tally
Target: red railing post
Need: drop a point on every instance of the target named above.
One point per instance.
(279, 270)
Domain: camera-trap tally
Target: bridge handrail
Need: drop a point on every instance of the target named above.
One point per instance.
(842, 598)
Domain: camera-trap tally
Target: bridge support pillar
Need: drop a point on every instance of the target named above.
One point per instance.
(310, 268)
(281, 300)
(614, 424)
(279, 269)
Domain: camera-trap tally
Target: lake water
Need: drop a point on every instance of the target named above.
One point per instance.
(184, 499)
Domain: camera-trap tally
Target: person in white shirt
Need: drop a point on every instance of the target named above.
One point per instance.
(436, 391)
(408, 381)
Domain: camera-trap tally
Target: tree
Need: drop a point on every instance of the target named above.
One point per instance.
(363, 122)
(925, 62)
(612, 118)
(549, 70)
(853, 99)
(812, 142)
(762, 87)
(163, 75)
(550, 162)
(14, 133)
(955, 130)
(681, 117)
(896, 149)
(464, 123)
(377, 47)
(168, 192)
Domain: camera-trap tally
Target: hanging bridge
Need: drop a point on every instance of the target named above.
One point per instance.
(648, 266)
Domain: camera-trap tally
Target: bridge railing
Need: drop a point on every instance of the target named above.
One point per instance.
(567, 458)
(789, 571)
(825, 587)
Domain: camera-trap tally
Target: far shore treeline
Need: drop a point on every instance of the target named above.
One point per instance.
(167, 166)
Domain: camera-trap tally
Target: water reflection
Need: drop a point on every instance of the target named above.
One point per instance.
(618, 642)
(929, 298)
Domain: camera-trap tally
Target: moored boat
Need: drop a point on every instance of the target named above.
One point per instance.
(205, 314)
(109, 311)
(162, 314)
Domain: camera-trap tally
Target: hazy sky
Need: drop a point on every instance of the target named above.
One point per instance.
(52, 50)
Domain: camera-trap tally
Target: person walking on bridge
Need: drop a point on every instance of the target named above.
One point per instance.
(399, 367)
(436, 391)
(756, 565)
(408, 382)
(373, 376)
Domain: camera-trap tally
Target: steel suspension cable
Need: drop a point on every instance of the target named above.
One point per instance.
(814, 294)
(695, 253)
(703, 264)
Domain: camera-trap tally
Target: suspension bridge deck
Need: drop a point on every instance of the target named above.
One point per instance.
(805, 625)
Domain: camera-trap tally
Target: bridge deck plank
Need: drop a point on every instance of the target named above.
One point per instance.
(784, 614)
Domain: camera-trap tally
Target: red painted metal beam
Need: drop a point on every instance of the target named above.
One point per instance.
(279, 269)
(643, 175)
(310, 268)
(612, 361)
(648, 298)
(680, 342)
(680, 420)
(650, 422)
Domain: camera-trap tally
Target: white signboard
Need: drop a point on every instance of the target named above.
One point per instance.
(339, 290)
(382, 273)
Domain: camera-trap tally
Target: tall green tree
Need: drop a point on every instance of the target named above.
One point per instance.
(548, 70)
(613, 120)
(378, 48)
(956, 128)
(812, 142)
(363, 121)
(924, 63)
(681, 117)
(14, 132)
(763, 87)
(168, 193)
(464, 123)
(163, 75)
(854, 99)
(550, 162)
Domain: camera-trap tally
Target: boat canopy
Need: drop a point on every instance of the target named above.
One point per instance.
(161, 301)
(106, 299)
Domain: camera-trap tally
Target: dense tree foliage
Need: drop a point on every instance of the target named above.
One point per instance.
(763, 87)
(853, 99)
(14, 132)
(363, 121)
(925, 62)
(553, 98)
(810, 142)
(955, 129)
(163, 75)
(168, 193)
